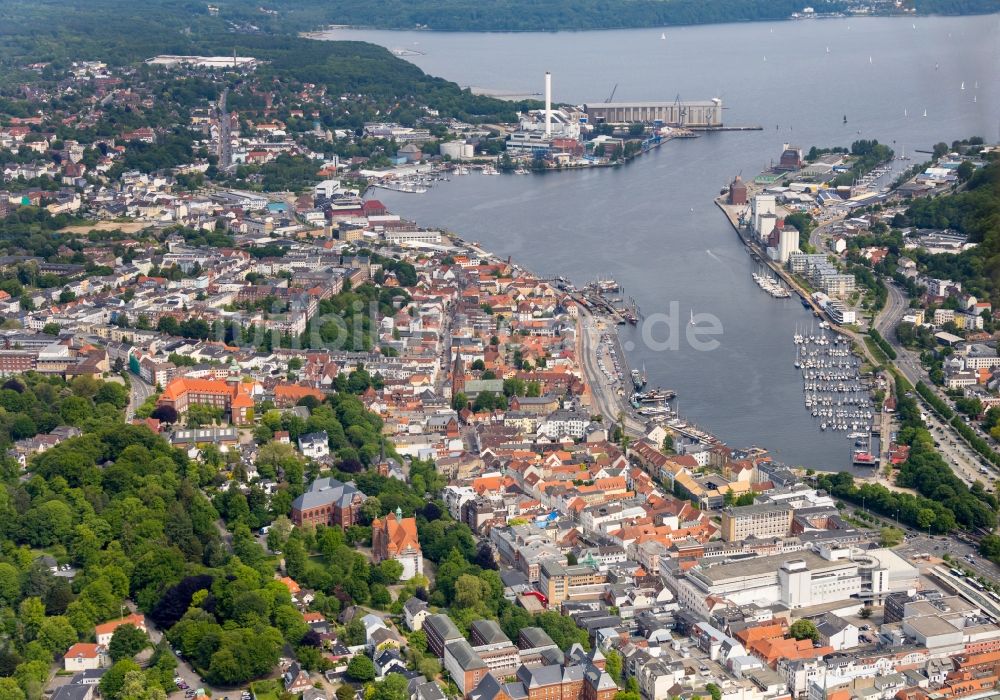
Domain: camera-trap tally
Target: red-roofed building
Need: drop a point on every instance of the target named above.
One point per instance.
(290, 584)
(373, 207)
(230, 397)
(106, 630)
(83, 656)
(286, 395)
(395, 537)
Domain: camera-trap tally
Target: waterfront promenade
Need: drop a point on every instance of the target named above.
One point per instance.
(604, 393)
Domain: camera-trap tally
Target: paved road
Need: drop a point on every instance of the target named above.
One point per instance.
(965, 461)
(957, 549)
(603, 392)
(895, 308)
(139, 391)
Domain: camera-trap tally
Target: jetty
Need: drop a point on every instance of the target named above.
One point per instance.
(759, 255)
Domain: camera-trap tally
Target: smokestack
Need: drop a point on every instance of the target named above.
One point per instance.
(548, 103)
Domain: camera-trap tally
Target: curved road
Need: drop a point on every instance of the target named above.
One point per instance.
(139, 391)
(959, 455)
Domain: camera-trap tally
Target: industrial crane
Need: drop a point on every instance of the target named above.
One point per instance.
(681, 110)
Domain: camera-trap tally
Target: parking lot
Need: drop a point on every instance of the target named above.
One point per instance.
(959, 551)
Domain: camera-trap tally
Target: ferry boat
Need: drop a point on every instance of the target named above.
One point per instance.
(607, 286)
(657, 395)
(400, 186)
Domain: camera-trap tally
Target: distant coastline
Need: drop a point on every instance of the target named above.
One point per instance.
(524, 16)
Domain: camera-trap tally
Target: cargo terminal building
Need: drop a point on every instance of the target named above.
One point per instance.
(698, 114)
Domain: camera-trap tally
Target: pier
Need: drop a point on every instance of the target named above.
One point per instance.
(595, 297)
(726, 128)
(760, 256)
(692, 433)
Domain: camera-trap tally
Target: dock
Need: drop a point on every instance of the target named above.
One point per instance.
(607, 394)
(760, 256)
(595, 297)
(726, 128)
(692, 433)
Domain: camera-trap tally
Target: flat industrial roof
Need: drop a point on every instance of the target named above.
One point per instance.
(762, 565)
(931, 625)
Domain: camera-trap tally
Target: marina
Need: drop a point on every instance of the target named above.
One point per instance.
(651, 225)
(770, 284)
(835, 393)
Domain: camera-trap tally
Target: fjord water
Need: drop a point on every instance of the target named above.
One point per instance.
(652, 225)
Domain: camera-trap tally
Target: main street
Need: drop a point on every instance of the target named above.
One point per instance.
(957, 452)
(139, 391)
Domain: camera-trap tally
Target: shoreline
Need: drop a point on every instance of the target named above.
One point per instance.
(859, 347)
(603, 395)
(315, 34)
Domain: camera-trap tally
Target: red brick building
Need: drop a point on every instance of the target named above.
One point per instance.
(328, 502)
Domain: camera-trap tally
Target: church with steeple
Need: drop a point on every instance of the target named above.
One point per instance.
(395, 537)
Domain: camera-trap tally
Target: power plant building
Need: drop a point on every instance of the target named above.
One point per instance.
(698, 114)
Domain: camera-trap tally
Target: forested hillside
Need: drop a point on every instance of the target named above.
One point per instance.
(121, 33)
(976, 212)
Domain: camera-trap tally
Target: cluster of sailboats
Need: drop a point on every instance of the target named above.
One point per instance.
(770, 285)
(831, 382)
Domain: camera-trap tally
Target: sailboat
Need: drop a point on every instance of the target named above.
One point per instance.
(663, 36)
(765, 59)
(973, 98)
(925, 112)
(691, 323)
(963, 84)
(904, 111)
(869, 60)
(976, 85)
(828, 49)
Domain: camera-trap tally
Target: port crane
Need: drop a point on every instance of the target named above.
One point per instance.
(681, 110)
(612, 95)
